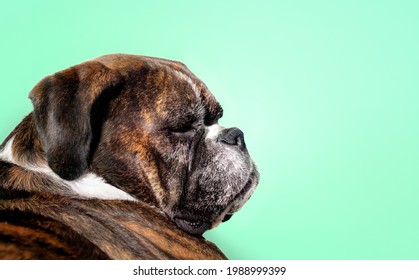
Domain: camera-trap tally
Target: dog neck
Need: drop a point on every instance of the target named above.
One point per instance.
(23, 167)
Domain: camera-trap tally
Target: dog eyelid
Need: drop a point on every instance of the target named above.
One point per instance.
(182, 129)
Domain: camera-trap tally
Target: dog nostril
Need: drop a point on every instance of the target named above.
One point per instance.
(232, 136)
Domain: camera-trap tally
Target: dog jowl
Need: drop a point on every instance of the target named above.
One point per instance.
(131, 138)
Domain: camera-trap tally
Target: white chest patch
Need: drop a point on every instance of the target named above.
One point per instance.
(92, 186)
(88, 186)
(6, 153)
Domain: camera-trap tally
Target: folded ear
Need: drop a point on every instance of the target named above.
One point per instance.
(62, 106)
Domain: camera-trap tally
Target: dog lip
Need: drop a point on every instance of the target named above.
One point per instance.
(227, 217)
(193, 227)
(194, 224)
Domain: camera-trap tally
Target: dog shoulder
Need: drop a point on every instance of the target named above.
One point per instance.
(53, 227)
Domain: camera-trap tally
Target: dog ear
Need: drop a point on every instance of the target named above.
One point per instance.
(62, 106)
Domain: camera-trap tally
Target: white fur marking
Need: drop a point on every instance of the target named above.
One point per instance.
(93, 186)
(188, 79)
(213, 131)
(89, 185)
(7, 153)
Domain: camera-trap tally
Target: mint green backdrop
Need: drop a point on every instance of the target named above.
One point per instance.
(327, 93)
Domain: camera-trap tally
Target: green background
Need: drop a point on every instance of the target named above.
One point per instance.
(327, 93)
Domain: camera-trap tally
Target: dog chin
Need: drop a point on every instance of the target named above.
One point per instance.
(195, 224)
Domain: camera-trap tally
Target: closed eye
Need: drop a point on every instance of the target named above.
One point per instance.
(182, 129)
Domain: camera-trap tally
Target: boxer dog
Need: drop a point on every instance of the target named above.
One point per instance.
(121, 158)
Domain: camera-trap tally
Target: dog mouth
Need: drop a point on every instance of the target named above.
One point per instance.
(195, 221)
(193, 227)
(196, 226)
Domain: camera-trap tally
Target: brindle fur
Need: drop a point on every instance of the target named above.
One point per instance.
(45, 226)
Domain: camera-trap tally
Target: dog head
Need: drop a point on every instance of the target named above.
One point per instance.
(150, 128)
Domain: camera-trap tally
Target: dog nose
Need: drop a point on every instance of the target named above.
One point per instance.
(232, 136)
